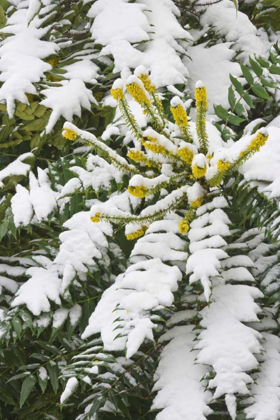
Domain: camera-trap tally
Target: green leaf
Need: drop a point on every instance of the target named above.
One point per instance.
(43, 383)
(53, 374)
(235, 2)
(3, 229)
(231, 97)
(27, 318)
(240, 109)
(27, 386)
(221, 112)
(17, 326)
(274, 69)
(260, 91)
(18, 376)
(237, 85)
(256, 67)
(262, 62)
(247, 98)
(247, 74)
(97, 404)
(234, 119)
(40, 356)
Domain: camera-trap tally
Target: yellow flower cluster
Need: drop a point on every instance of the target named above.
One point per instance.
(186, 155)
(223, 166)
(145, 79)
(183, 227)
(136, 155)
(139, 191)
(138, 94)
(198, 172)
(117, 94)
(96, 218)
(197, 203)
(139, 156)
(180, 115)
(154, 147)
(201, 96)
(257, 142)
(137, 234)
(69, 134)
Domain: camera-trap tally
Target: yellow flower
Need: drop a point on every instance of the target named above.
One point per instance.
(183, 227)
(198, 172)
(117, 94)
(154, 147)
(145, 79)
(69, 134)
(139, 191)
(96, 218)
(136, 155)
(138, 94)
(257, 142)
(137, 234)
(243, 153)
(139, 156)
(197, 203)
(186, 155)
(223, 166)
(201, 96)
(209, 157)
(180, 116)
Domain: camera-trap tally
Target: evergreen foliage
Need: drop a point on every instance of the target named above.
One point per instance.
(139, 253)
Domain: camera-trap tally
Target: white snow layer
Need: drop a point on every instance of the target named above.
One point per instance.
(120, 26)
(181, 393)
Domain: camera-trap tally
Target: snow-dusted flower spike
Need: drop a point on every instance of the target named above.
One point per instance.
(201, 108)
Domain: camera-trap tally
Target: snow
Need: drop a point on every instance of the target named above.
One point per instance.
(78, 250)
(229, 341)
(70, 187)
(265, 403)
(9, 284)
(157, 280)
(180, 392)
(43, 373)
(71, 385)
(67, 100)
(43, 285)
(17, 167)
(235, 27)
(206, 238)
(227, 344)
(22, 56)
(59, 316)
(21, 206)
(41, 195)
(12, 271)
(265, 165)
(160, 245)
(121, 26)
(75, 314)
(213, 65)
(84, 70)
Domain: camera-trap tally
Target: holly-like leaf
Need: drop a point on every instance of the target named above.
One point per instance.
(27, 386)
